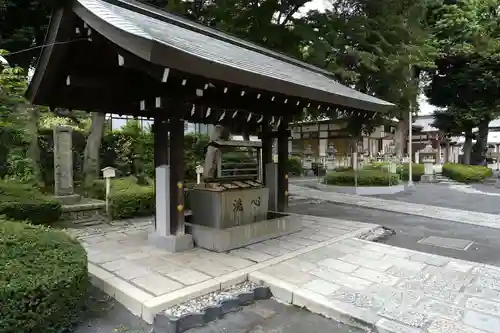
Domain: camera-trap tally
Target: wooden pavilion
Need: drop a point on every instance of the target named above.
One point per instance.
(125, 57)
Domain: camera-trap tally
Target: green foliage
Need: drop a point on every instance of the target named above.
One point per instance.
(194, 153)
(44, 280)
(466, 173)
(376, 166)
(14, 139)
(402, 170)
(294, 166)
(25, 203)
(365, 178)
(374, 46)
(342, 169)
(417, 170)
(466, 80)
(128, 199)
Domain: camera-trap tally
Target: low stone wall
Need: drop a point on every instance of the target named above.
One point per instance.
(362, 190)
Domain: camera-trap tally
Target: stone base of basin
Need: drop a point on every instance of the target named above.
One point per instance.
(221, 240)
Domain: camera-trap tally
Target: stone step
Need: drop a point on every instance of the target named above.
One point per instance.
(85, 213)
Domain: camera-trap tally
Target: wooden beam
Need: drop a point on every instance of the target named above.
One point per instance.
(282, 166)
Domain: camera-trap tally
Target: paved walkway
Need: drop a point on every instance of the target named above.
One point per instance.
(323, 268)
(402, 291)
(147, 280)
(450, 214)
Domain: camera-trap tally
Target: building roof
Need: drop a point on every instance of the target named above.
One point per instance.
(170, 41)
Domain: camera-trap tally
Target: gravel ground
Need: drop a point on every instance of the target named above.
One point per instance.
(105, 315)
(212, 299)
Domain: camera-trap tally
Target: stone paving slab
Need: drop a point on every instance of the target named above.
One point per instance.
(370, 285)
(442, 213)
(146, 279)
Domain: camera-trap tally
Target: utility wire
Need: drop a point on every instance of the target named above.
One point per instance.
(46, 45)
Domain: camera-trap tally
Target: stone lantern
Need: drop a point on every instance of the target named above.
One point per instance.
(428, 157)
(330, 156)
(308, 158)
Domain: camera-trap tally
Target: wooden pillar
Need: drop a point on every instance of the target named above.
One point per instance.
(161, 187)
(282, 166)
(267, 147)
(176, 176)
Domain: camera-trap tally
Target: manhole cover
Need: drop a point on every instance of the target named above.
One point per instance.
(450, 243)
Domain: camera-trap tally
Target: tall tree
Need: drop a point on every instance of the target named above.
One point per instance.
(467, 74)
(374, 46)
(457, 122)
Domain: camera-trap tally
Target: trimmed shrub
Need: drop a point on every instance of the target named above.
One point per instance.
(377, 166)
(44, 280)
(417, 171)
(25, 203)
(128, 199)
(402, 169)
(342, 169)
(466, 173)
(294, 166)
(365, 178)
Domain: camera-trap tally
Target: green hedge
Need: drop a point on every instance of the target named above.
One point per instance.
(128, 199)
(466, 173)
(294, 166)
(417, 171)
(44, 279)
(25, 203)
(365, 178)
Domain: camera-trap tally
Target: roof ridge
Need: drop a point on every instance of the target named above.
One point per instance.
(169, 17)
(110, 15)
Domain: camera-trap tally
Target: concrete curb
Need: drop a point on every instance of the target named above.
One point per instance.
(164, 323)
(362, 190)
(316, 303)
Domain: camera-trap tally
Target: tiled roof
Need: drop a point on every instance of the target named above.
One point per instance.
(198, 41)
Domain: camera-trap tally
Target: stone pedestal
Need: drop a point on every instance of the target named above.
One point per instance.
(63, 161)
(428, 156)
(428, 176)
(74, 209)
(221, 240)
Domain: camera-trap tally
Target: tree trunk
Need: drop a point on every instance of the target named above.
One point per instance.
(467, 148)
(400, 137)
(218, 132)
(447, 152)
(91, 153)
(481, 147)
(34, 149)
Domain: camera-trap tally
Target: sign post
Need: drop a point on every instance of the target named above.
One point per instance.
(108, 173)
(199, 172)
